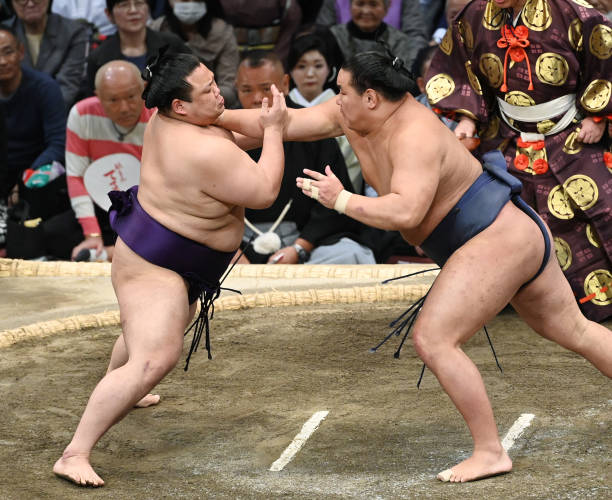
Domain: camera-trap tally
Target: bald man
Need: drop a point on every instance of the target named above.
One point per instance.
(111, 122)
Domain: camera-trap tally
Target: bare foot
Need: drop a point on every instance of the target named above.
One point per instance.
(78, 470)
(478, 466)
(148, 400)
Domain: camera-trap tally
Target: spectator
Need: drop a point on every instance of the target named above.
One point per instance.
(419, 70)
(3, 167)
(366, 26)
(310, 66)
(309, 232)
(403, 15)
(111, 122)
(5, 11)
(133, 41)
(91, 11)
(36, 128)
(53, 44)
(264, 25)
(202, 28)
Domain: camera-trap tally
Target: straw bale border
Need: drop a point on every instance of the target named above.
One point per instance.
(12, 268)
(368, 294)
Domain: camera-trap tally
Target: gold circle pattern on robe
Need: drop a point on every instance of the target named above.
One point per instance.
(491, 66)
(572, 144)
(594, 282)
(552, 68)
(582, 190)
(474, 82)
(518, 98)
(574, 33)
(596, 96)
(446, 45)
(563, 252)
(439, 86)
(592, 236)
(467, 37)
(536, 15)
(600, 42)
(492, 19)
(559, 203)
(545, 126)
(583, 3)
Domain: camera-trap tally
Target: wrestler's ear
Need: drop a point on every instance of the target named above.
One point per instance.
(370, 98)
(178, 106)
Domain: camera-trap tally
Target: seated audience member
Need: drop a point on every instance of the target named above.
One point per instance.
(404, 15)
(133, 41)
(35, 132)
(111, 122)
(419, 70)
(53, 44)
(5, 11)
(3, 165)
(366, 27)
(156, 7)
(309, 233)
(212, 40)
(264, 25)
(313, 72)
(310, 10)
(432, 12)
(91, 11)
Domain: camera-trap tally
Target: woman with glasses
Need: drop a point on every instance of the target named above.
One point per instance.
(53, 44)
(133, 42)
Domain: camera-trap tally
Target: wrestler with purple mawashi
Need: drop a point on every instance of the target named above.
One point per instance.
(178, 231)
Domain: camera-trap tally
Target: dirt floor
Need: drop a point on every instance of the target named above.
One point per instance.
(223, 423)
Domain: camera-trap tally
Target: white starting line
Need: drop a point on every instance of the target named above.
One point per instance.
(517, 429)
(298, 441)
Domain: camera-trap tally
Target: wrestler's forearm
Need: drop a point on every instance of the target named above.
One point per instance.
(243, 121)
(272, 160)
(389, 212)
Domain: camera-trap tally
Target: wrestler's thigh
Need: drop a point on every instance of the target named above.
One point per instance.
(481, 277)
(153, 305)
(549, 307)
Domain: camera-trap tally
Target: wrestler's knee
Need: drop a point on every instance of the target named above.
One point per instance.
(425, 345)
(156, 367)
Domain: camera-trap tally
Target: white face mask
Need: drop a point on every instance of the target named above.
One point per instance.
(189, 12)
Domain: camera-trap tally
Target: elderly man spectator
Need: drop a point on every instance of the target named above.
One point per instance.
(35, 131)
(367, 27)
(404, 15)
(264, 25)
(111, 122)
(200, 25)
(309, 233)
(133, 42)
(53, 44)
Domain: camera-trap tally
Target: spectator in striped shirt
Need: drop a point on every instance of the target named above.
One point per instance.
(111, 122)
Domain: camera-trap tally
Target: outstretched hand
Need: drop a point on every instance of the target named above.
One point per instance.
(322, 187)
(275, 115)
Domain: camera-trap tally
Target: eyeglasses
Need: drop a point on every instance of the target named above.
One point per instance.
(21, 3)
(126, 4)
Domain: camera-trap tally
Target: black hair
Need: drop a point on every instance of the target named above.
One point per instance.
(381, 72)
(306, 43)
(423, 55)
(8, 29)
(213, 9)
(166, 75)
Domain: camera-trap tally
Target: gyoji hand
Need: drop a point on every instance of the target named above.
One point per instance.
(275, 115)
(466, 127)
(590, 131)
(322, 187)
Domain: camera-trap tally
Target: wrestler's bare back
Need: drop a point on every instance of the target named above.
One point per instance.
(173, 182)
(404, 144)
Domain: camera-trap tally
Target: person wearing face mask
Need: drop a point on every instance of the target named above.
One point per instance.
(202, 29)
(133, 42)
(534, 80)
